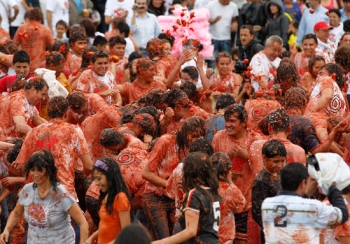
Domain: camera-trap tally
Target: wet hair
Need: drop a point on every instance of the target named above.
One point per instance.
(77, 28)
(335, 69)
(292, 175)
(285, 54)
(61, 47)
(116, 183)
(175, 96)
(310, 36)
(272, 39)
(123, 28)
(54, 58)
(193, 124)
(37, 82)
(224, 101)
(57, 107)
(63, 23)
(342, 57)
(170, 38)
(287, 73)
(76, 100)
(248, 27)
(98, 54)
(18, 84)
(26, 15)
(201, 145)
(194, 43)
(222, 55)
(273, 148)
(153, 97)
(43, 159)
(77, 36)
(116, 40)
(100, 40)
(151, 110)
(12, 153)
(279, 120)
(191, 71)
(234, 51)
(128, 112)
(198, 172)
(89, 27)
(221, 164)
(336, 11)
(110, 137)
(21, 56)
(190, 89)
(11, 46)
(143, 64)
(238, 111)
(154, 48)
(134, 55)
(35, 14)
(3, 49)
(313, 60)
(295, 97)
(133, 233)
(87, 57)
(146, 122)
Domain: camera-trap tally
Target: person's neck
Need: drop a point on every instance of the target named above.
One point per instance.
(316, 7)
(240, 136)
(142, 82)
(220, 112)
(273, 174)
(44, 188)
(77, 54)
(59, 36)
(280, 134)
(275, 15)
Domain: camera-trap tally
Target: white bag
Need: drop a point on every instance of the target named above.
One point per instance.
(332, 169)
(55, 87)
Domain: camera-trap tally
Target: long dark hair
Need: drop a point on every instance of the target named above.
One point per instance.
(116, 183)
(197, 172)
(43, 159)
(190, 125)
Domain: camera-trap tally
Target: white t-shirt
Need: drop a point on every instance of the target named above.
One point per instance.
(201, 3)
(20, 17)
(4, 5)
(129, 48)
(336, 34)
(221, 30)
(113, 7)
(59, 9)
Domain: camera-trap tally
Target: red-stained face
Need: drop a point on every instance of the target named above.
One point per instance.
(21, 69)
(316, 68)
(223, 65)
(39, 177)
(34, 96)
(119, 50)
(100, 67)
(275, 164)
(309, 46)
(79, 46)
(234, 126)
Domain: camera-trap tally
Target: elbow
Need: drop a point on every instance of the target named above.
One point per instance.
(145, 174)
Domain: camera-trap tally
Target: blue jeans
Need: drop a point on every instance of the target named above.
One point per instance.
(219, 46)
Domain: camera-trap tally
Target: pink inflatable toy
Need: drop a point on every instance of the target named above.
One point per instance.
(186, 24)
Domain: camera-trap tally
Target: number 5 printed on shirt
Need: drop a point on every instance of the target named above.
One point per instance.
(216, 210)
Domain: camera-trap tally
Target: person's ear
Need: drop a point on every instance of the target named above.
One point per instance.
(264, 158)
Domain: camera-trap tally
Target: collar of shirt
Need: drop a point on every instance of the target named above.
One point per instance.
(146, 16)
(288, 193)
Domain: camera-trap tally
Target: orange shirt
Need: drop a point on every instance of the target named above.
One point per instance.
(133, 92)
(73, 62)
(94, 104)
(90, 82)
(301, 62)
(165, 65)
(234, 203)
(224, 83)
(242, 175)
(67, 144)
(163, 159)
(192, 112)
(257, 109)
(4, 35)
(294, 153)
(16, 104)
(109, 226)
(92, 127)
(34, 38)
(119, 73)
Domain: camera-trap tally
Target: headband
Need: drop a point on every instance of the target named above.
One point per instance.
(102, 165)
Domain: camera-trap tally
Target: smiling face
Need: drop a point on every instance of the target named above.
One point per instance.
(274, 51)
(317, 67)
(234, 126)
(100, 67)
(39, 177)
(309, 46)
(334, 19)
(275, 164)
(223, 65)
(100, 180)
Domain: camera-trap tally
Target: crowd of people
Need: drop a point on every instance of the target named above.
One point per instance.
(107, 136)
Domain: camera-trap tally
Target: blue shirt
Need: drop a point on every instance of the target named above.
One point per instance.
(145, 29)
(343, 15)
(214, 124)
(308, 21)
(79, 6)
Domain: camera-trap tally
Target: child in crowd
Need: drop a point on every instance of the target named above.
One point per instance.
(100, 42)
(117, 48)
(78, 43)
(61, 29)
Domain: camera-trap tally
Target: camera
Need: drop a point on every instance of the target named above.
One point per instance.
(135, 7)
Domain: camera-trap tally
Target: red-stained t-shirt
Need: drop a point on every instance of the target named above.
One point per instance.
(133, 92)
(94, 104)
(4, 35)
(257, 109)
(93, 126)
(165, 65)
(34, 38)
(73, 62)
(7, 81)
(119, 72)
(233, 203)
(16, 104)
(301, 62)
(294, 153)
(192, 112)
(224, 83)
(162, 160)
(90, 82)
(242, 175)
(67, 144)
